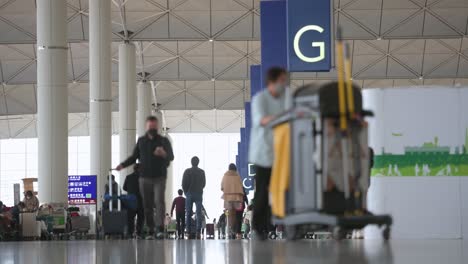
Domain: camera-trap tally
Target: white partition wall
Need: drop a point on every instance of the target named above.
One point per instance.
(420, 139)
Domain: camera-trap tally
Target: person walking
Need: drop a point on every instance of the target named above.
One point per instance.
(240, 216)
(179, 205)
(154, 153)
(233, 196)
(193, 183)
(266, 105)
(131, 186)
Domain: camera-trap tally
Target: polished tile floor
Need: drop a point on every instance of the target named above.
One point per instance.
(219, 251)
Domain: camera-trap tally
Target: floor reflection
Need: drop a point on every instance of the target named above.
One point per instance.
(220, 251)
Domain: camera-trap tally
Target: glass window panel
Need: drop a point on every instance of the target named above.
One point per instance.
(31, 145)
(13, 162)
(31, 162)
(72, 145)
(13, 146)
(83, 144)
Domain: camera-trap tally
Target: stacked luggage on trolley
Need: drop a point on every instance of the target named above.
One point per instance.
(322, 166)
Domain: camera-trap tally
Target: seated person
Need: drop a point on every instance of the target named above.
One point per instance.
(30, 201)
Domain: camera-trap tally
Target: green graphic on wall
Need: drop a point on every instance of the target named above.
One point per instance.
(430, 159)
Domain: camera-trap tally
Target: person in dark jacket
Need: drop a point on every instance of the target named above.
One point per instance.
(131, 186)
(193, 183)
(154, 153)
(179, 205)
(115, 192)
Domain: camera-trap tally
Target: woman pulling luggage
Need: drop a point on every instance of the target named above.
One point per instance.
(233, 196)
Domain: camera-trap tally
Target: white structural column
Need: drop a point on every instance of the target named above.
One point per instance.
(52, 100)
(144, 106)
(169, 194)
(100, 123)
(127, 102)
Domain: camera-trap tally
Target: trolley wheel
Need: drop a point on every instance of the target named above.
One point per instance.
(273, 236)
(339, 233)
(386, 233)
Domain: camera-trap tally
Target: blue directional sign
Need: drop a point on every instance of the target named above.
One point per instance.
(82, 189)
(273, 35)
(309, 35)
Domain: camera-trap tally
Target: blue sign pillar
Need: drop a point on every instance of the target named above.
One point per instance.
(255, 79)
(273, 34)
(309, 37)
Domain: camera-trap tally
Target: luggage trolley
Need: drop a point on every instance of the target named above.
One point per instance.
(304, 197)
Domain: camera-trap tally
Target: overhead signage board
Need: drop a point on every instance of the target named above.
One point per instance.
(309, 26)
(82, 189)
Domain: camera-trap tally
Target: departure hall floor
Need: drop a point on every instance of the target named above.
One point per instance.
(221, 251)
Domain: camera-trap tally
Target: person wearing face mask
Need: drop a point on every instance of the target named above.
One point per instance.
(154, 153)
(30, 201)
(266, 105)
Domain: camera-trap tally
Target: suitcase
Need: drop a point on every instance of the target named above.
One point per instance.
(30, 227)
(114, 222)
(171, 228)
(80, 224)
(210, 231)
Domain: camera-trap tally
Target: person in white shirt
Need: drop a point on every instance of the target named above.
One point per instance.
(266, 105)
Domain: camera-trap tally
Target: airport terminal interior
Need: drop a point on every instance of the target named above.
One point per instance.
(234, 131)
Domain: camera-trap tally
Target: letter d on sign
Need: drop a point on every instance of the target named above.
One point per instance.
(320, 45)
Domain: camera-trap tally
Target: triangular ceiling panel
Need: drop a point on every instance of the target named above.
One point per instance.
(201, 69)
(363, 61)
(235, 102)
(165, 49)
(75, 28)
(396, 70)
(200, 99)
(379, 69)
(224, 64)
(154, 29)
(23, 21)
(176, 102)
(222, 19)
(362, 5)
(181, 28)
(402, 22)
(351, 29)
(241, 29)
(456, 17)
(28, 131)
(369, 18)
(200, 20)
(77, 128)
(434, 60)
(190, 5)
(196, 48)
(17, 125)
(399, 4)
(463, 68)
(12, 35)
(434, 27)
(448, 69)
(405, 46)
(27, 75)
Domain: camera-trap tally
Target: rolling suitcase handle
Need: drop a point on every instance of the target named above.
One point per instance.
(110, 192)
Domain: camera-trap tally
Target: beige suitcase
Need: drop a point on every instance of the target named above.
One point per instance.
(30, 227)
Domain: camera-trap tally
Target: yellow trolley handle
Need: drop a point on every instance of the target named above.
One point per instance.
(349, 81)
(341, 81)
